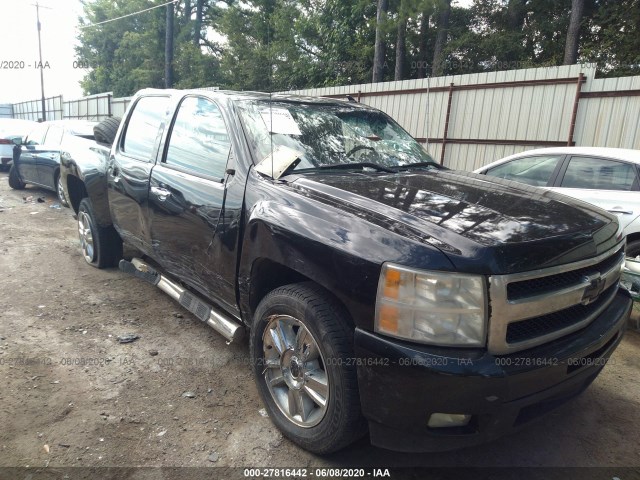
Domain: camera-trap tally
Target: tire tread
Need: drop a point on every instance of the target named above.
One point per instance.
(338, 328)
(107, 242)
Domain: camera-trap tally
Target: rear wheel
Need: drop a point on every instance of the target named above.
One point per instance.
(14, 179)
(60, 191)
(301, 344)
(100, 246)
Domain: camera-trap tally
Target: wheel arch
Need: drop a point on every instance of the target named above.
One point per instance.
(632, 237)
(267, 275)
(76, 191)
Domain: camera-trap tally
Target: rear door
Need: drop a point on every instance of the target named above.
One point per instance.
(48, 156)
(187, 193)
(609, 184)
(129, 168)
(27, 161)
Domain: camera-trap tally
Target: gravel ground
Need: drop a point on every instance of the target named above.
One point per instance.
(84, 399)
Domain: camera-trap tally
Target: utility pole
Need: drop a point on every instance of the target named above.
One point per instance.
(168, 49)
(44, 110)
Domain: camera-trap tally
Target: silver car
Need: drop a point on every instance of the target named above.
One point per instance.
(12, 131)
(605, 177)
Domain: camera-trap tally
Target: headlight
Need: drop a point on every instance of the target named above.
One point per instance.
(439, 308)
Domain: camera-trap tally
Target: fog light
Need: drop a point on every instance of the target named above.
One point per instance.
(442, 420)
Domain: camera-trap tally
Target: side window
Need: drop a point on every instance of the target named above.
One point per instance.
(143, 126)
(36, 137)
(600, 174)
(54, 135)
(199, 140)
(535, 171)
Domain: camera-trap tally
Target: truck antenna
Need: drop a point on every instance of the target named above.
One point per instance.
(270, 90)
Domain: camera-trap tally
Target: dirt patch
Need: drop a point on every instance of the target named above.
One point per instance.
(69, 384)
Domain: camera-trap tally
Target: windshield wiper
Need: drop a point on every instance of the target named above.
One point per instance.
(417, 165)
(357, 165)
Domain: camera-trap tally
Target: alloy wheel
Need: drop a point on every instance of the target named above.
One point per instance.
(86, 236)
(295, 371)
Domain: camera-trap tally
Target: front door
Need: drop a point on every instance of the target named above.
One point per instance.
(48, 157)
(610, 184)
(186, 197)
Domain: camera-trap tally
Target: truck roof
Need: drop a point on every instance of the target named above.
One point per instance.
(264, 96)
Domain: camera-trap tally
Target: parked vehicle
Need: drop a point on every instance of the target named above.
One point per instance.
(378, 289)
(605, 177)
(12, 131)
(37, 158)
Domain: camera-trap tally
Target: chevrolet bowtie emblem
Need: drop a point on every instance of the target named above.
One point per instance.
(594, 288)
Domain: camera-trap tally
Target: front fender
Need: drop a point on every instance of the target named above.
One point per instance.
(337, 250)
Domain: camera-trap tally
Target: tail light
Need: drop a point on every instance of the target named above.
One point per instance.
(4, 141)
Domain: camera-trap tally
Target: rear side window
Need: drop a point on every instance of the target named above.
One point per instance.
(199, 139)
(36, 137)
(143, 126)
(534, 171)
(54, 135)
(599, 174)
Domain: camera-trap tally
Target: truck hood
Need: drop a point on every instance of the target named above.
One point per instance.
(506, 225)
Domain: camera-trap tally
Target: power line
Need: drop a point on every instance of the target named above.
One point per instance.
(125, 16)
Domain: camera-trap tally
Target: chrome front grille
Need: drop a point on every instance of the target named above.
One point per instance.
(532, 308)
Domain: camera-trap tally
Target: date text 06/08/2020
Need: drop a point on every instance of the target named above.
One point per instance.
(316, 472)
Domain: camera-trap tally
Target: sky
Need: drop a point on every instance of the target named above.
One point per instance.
(19, 74)
(19, 43)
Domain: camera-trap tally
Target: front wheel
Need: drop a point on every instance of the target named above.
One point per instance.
(14, 179)
(302, 356)
(101, 246)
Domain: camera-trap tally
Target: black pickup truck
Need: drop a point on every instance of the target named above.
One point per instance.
(382, 292)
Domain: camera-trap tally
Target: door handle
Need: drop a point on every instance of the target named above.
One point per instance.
(161, 193)
(620, 210)
(114, 174)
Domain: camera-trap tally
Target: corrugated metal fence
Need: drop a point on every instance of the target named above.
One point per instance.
(32, 109)
(466, 120)
(471, 120)
(92, 108)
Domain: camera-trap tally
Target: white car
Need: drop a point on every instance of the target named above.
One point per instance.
(605, 177)
(12, 130)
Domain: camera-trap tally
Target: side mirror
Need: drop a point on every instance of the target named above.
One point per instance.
(17, 141)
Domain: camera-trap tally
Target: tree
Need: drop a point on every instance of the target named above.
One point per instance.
(124, 55)
(168, 49)
(423, 54)
(441, 38)
(197, 30)
(380, 46)
(573, 33)
(401, 48)
(611, 37)
(285, 44)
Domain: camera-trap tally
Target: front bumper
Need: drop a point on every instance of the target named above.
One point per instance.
(402, 384)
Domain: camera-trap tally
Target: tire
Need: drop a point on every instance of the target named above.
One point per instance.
(60, 191)
(105, 131)
(309, 318)
(101, 247)
(633, 249)
(14, 179)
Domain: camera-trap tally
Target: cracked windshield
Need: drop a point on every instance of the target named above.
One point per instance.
(324, 136)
